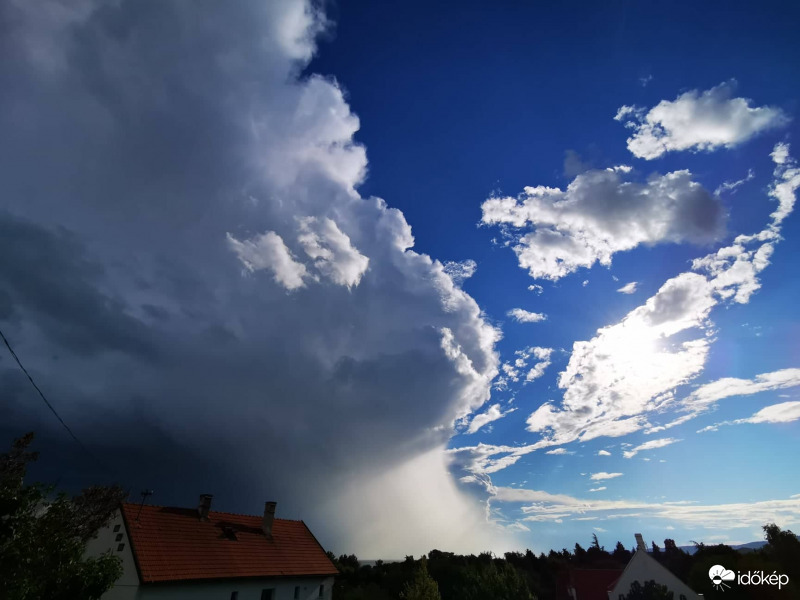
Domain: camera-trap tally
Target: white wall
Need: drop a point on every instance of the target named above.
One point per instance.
(248, 589)
(642, 568)
(106, 541)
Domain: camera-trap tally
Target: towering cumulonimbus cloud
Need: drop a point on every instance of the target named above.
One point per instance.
(186, 260)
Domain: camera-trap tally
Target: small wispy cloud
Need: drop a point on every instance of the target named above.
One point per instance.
(520, 315)
(492, 414)
(604, 453)
(460, 271)
(598, 489)
(602, 475)
(559, 451)
(628, 288)
(730, 186)
(784, 412)
(535, 288)
(651, 445)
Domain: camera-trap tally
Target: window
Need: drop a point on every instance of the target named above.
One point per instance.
(234, 595)
(116, 528)
(268, 594)
(119, 537)
(297, 592)
(683, 596)
(321, 591)
(120, 548)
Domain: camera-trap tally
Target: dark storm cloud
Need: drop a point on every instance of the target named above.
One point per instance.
(142, 142)
(45, 276)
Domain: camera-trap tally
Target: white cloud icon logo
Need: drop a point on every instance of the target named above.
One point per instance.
(719, 575)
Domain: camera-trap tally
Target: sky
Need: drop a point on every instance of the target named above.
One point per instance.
(478, 276)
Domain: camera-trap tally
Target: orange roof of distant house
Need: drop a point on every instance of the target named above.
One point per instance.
(173, 544)
(589, 584)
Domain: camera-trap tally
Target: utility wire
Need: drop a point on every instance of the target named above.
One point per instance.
(50, 406)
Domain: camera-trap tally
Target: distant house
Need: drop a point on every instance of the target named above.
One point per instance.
(586, 584)
(643, 568)
(171, 553)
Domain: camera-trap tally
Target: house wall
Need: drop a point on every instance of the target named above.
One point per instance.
(248, 589)
(642, 568)
(106, 541)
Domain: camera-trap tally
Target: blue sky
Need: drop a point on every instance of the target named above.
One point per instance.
(461, 105)
(491, 275)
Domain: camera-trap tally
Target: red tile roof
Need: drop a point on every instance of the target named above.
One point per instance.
(589, 584)
(173, 544)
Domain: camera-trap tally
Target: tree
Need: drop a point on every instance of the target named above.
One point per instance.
(422, 586)
(656, 551)
(580, 554)
(621, 553)
(43, 539)
(649, 591)
(595, 543)
(783, 547)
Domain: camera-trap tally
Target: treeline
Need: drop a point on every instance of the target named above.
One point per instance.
(526, 576)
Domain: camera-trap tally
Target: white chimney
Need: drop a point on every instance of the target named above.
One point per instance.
(269, 517)
(204, 507)
(640, 543)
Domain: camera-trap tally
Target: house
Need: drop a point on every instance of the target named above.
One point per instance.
(643, 568)
(586, 584)
(199, 553)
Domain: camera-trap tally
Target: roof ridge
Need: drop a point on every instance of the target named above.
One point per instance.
(219, 512)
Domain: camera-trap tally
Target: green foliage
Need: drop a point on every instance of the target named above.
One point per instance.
(621, 554)
(783, 548)
(649, 591)
(422, 586)
(526, 576)
(42, 539)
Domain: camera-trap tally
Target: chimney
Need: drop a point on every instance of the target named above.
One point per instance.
(269, 517)
(640, 543)
(204, 507)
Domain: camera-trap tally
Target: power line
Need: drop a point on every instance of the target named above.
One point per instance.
(50, 406)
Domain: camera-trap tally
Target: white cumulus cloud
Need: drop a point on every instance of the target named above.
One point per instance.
(601, 213)
(332, 251)
(697, 121)
(628, 288)
(268, 251)
(602, 476)
(521, 315)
